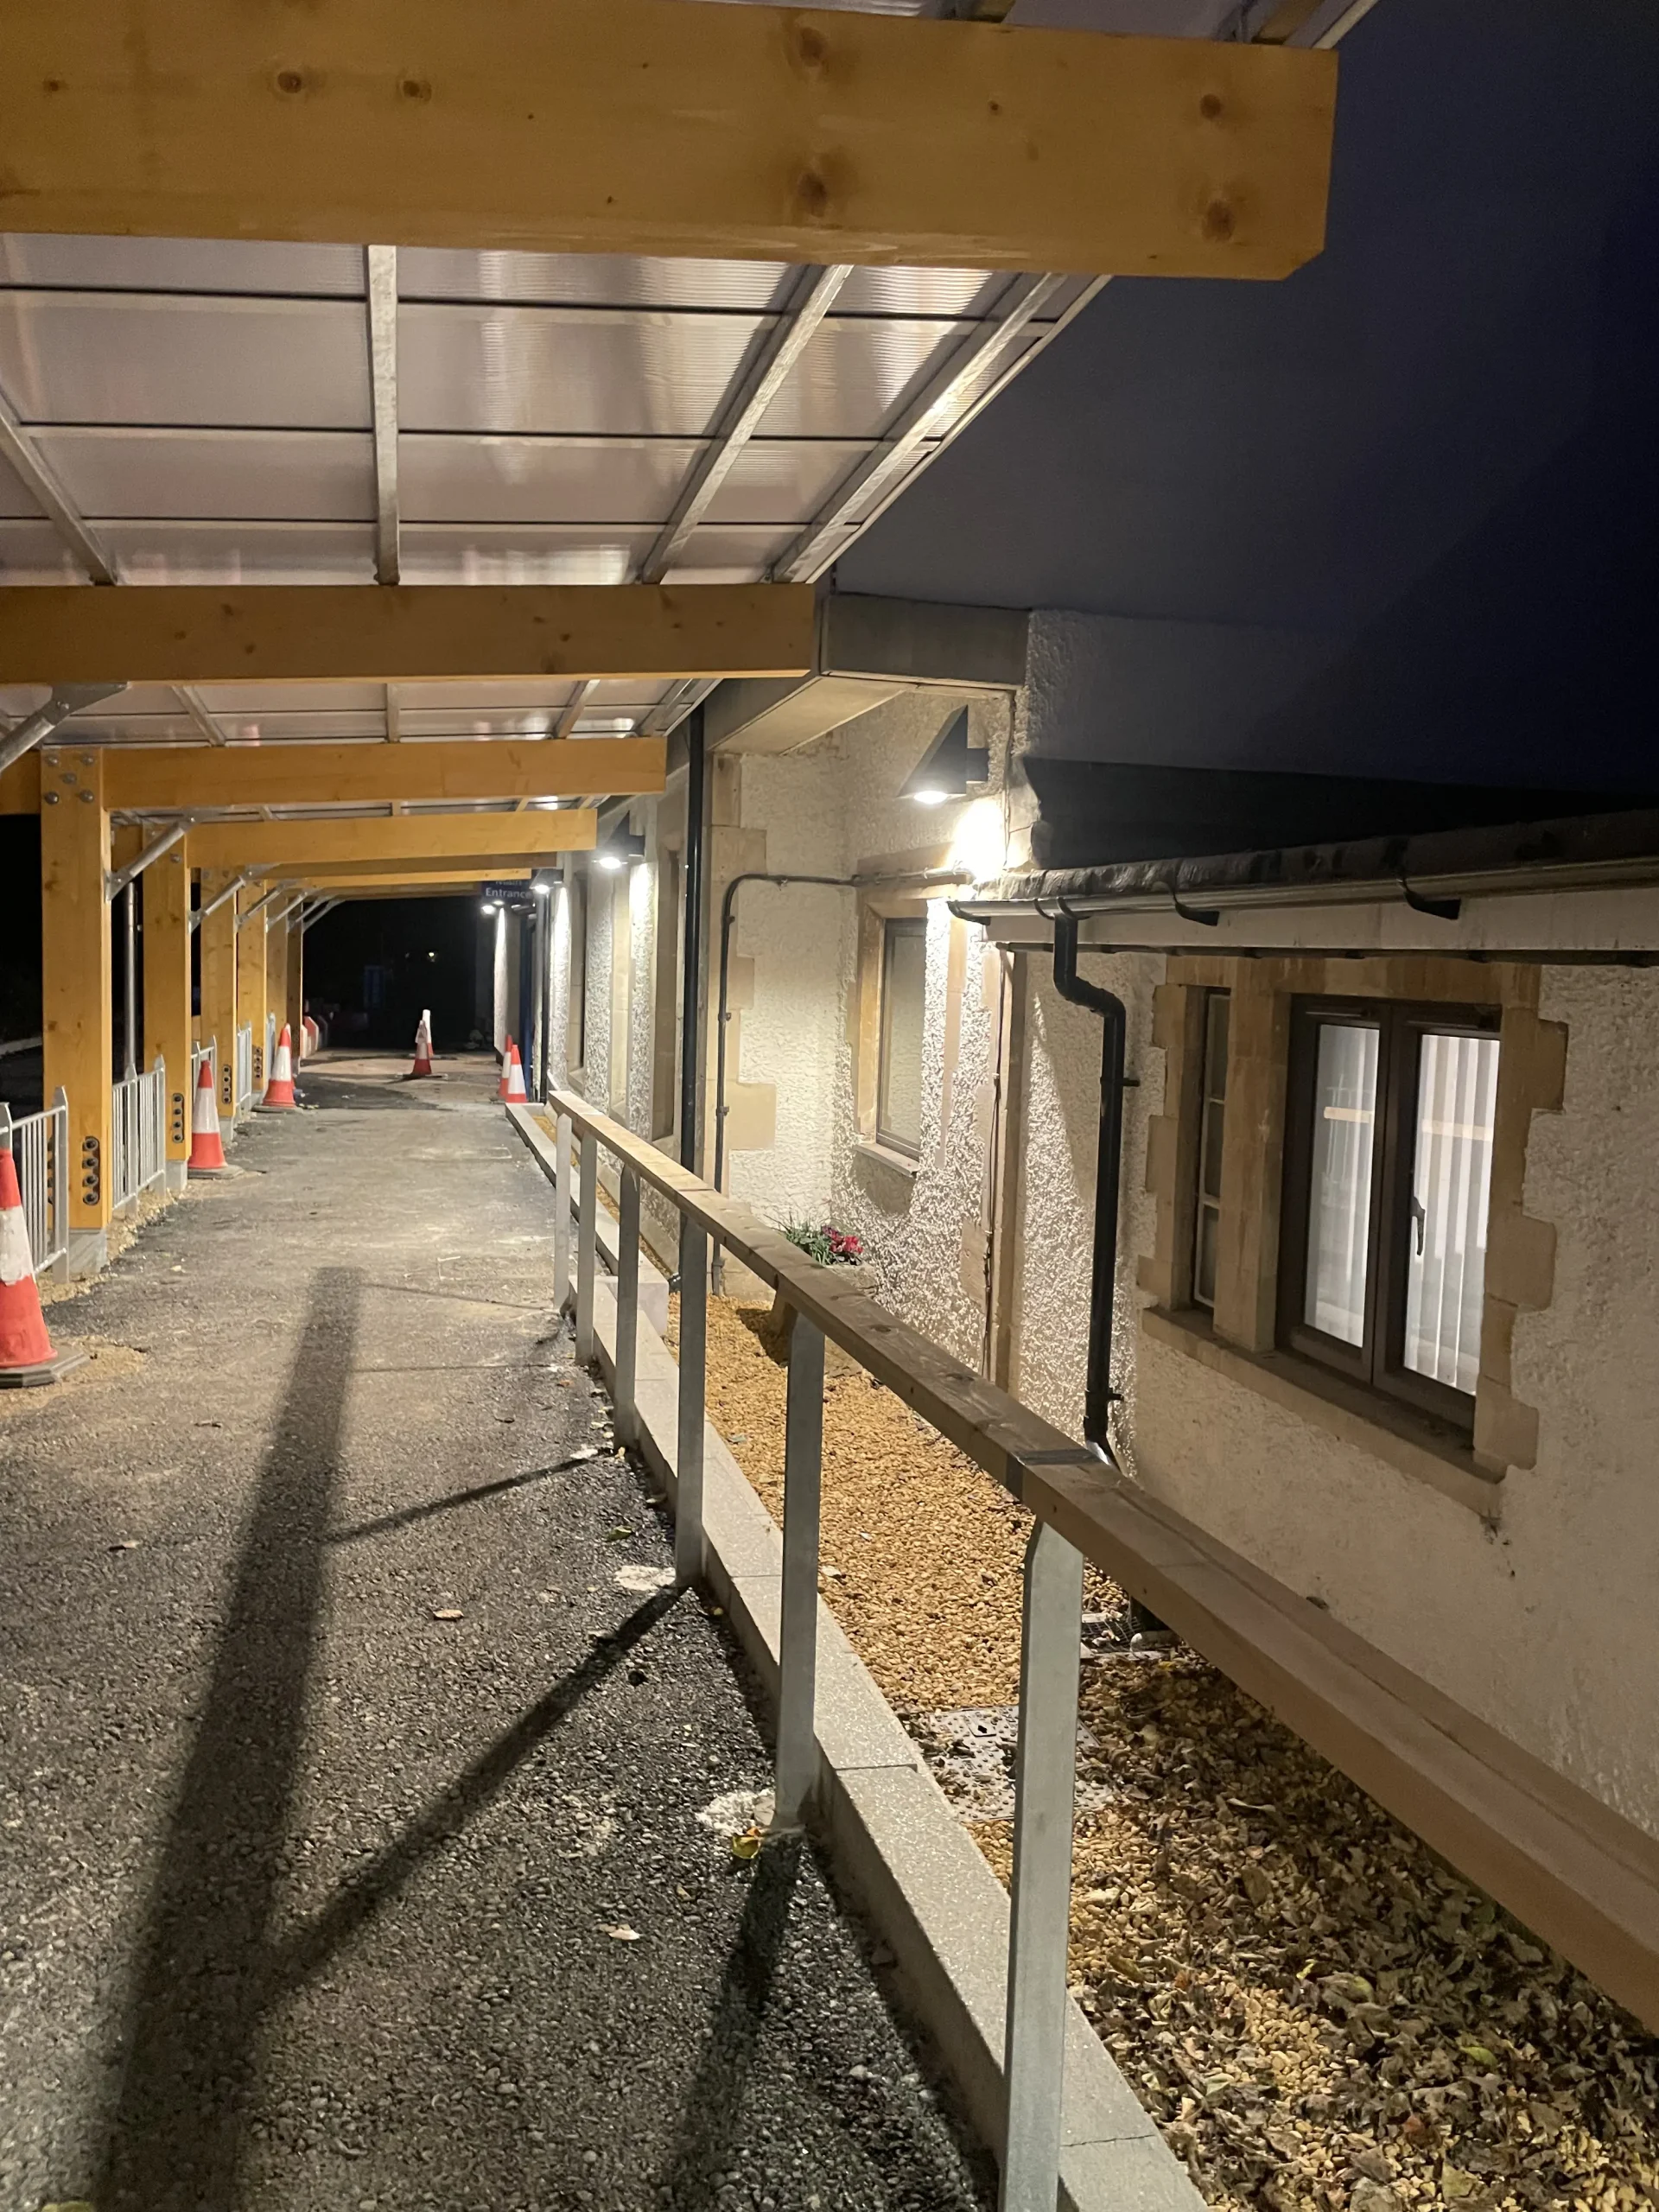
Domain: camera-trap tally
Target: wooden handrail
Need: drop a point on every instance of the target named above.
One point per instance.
(1575, 1871)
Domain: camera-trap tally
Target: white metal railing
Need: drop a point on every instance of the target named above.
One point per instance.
(40, 1148)
(242, 1100)
(137, 1135)
(1041, 1466)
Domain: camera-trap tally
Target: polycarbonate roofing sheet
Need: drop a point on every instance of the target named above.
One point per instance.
(240, 475)
(208, 408)
(577, 369)
(122, 356)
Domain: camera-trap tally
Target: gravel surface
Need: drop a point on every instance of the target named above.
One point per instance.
(1321, 2015)
(355, 1748)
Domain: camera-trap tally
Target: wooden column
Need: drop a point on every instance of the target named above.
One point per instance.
(166, 894)
(276, 977)
(218, 954)
(76, 981)
(251, 978)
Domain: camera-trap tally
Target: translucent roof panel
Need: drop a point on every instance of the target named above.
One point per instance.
(208, 411)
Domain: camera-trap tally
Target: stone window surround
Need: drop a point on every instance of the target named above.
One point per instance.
(1240, 1340)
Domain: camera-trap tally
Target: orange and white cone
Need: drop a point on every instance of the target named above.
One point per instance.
(513, 1077)
(279, 1091)
(207, 1148)
(25, 1347)
(422, 1047)
(310, 1036)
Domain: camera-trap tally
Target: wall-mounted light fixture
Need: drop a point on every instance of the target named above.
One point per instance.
(622, 848)
(948, 766)
(546, 880)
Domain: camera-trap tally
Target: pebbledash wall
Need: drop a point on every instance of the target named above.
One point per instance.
(1542, 1620)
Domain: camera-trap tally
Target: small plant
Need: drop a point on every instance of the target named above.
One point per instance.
(829, 1246)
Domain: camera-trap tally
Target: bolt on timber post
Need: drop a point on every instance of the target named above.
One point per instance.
(693, 1338)
(1040, 1921)
(797, 1627)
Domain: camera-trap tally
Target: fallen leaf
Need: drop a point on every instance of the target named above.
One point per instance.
(1478, 2052)
(125, 1544)
(446, 1612)
(617, 1535)
(746, 1846)
(623, 1934)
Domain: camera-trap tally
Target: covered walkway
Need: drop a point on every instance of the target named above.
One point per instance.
(356, 1741)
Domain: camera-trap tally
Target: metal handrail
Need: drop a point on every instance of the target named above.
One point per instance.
(242, 1098)
(137, 1135)
(1583, 1877)
(40, 1149)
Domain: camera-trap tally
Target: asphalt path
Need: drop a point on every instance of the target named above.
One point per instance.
(354, 1742)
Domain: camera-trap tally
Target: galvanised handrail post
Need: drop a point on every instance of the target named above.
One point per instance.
(562, 1210)
(627, 1308)
(586, 1243)
(694, 1339)
(1044, 1787)
(797, 1628)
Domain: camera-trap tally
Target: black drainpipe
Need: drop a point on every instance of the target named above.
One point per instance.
(1098, 1396)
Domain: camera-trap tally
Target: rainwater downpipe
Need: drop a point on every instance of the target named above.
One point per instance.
(1098, 1395)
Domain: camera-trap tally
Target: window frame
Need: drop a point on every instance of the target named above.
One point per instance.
(908, 927)
(1208, 1093)
(1378, 1362)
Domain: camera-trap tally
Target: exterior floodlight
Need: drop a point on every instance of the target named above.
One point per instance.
(489, 906)
(546, 880)
(622, 848)
(948, 766)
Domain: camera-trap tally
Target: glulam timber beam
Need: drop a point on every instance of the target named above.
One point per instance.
(404, 881)
(165, 778)
(780, 134)
(269, 633)
(480, 839)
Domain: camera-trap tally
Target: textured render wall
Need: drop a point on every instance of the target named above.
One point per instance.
(596, 1068)
(789, 1034)
(828, 810)
(558, 988)
(1056, 1200)
(1546, 1626)
(640, 953)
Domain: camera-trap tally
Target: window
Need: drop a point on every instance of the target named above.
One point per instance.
(1212, 1107)
(1388, 1168)
(899, 1077)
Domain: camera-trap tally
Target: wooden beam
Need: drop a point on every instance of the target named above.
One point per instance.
(263, 633)
(417, 874)
(443, 886)
(165, 892)
(658, 127)
(140, 779)
(481, 839)
(76, 1015)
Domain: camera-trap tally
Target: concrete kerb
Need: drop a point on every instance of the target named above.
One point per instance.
(895, 1840)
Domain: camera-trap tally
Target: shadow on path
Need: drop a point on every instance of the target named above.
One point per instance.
(176, 2135)
(713, 2103)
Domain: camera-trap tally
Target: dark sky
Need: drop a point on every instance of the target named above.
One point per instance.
(1396, 515)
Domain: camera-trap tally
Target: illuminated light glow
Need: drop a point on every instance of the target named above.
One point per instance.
(490, 906)
(611, 862)
(980, 844)
(541, 889)
(930, 798)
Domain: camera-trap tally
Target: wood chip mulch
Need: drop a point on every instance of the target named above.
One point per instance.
(1322, 2017)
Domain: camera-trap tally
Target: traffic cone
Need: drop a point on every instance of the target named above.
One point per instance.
(309, 1036)
(422, 1048)
(279, 1091)
(513, 1077)
(206, 1149)
(25, 1348)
